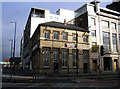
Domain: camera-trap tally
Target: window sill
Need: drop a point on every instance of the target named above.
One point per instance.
(74, 67)
(64, 40)
(64, 67)
(46, 67)
(115, 52)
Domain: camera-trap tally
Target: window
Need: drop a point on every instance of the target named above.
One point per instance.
(85, 38)
(56, 18)
(85, 56)
(119, 27)
(74, 37)
(51, 17)
(106, 41)
(56, 54)
(64, 36)
(46, 57)
(94, 43)
(119, 39)
(92, 21)
(105, 24)
(64, 57)
(47, 34)
(93, 33)
(56, 35)
(113, 25)
(74, 52)
(114, 39)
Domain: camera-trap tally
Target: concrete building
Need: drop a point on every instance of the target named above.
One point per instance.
(54, 45)
(36, 17)
(104, 30)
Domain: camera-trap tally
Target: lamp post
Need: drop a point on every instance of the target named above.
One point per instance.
(11, 46)
(14, 38)
(76, 53)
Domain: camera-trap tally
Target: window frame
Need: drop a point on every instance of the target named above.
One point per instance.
(93, 22)
(85, 40)
(74, 37)
(46, 57)
(65, 37)
(105, 24)
(45, 36)
(64, 58)
(56, 36)
(113, 25)
(93, 32)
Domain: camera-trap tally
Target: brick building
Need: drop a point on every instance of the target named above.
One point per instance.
(54, 45)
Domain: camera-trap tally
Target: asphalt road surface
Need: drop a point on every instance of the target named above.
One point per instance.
(55, 86)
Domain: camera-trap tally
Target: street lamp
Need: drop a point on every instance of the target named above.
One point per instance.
(14, 39)
(11, 46)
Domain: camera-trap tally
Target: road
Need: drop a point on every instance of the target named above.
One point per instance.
(57, 83)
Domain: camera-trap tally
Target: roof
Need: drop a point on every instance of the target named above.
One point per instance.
(62, 25)
(38, 8)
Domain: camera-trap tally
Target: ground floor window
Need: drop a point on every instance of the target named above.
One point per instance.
(46, 57)
(74, 52)
(64, 57)
(55, 54)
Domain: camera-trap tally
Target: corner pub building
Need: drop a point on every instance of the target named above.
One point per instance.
(54, 48)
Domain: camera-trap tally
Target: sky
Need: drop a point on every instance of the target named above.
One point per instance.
(18, 12)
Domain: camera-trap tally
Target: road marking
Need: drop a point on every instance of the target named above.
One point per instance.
(75, 87)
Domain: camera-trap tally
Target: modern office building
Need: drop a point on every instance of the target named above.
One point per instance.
(104, 30)
(36, 17)
(59, 47)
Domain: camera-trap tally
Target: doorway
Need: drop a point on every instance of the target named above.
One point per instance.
(85, 67)
(55, 67)
(94, 65)
(107, 63)
(115, 64)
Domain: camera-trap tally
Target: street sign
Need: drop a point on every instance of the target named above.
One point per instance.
(95, 48)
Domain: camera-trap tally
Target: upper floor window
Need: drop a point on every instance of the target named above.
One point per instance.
(64, 36)
(119, 39)
(56, 35)
(56, 18)
(47, 34)
(113, 25)
(93, 33)
(85, 38)
(114, 39)
(51, 17)
(74, 37)
(106, 41)
(94, 43)
(119, 27)
(92, 21)
(105, 24)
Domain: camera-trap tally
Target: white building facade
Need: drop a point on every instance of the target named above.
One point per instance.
(36, 17)
(104, 30)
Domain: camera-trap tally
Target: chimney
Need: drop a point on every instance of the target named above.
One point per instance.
(64, 21)
(96, 3)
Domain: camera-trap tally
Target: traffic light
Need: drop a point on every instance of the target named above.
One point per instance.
(102, 50)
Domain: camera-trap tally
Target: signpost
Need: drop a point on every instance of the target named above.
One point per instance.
(95, 48)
